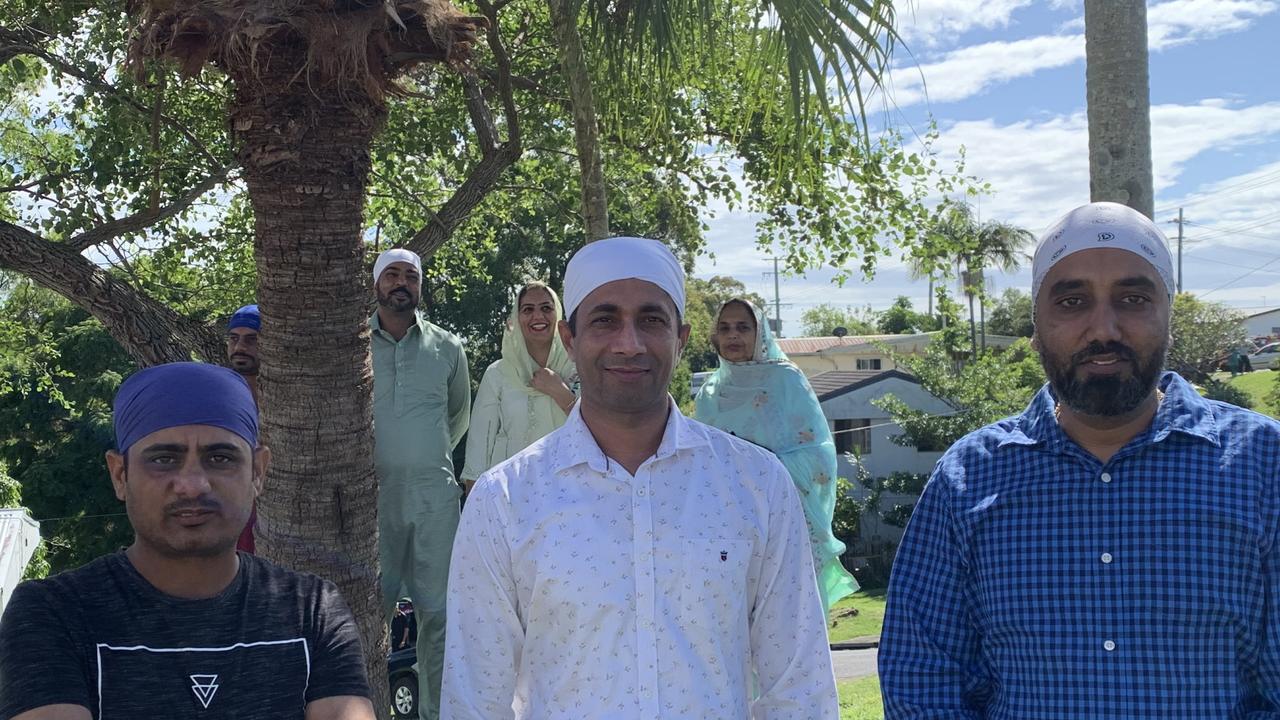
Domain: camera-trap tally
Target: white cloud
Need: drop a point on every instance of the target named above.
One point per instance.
(930, 21)
(969, 71)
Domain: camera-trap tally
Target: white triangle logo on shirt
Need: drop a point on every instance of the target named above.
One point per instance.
(204, 686)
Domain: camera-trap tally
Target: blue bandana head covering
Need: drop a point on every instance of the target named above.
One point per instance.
(184, 393)
(246, 317)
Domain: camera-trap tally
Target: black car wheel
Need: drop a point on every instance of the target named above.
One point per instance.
(404, 696)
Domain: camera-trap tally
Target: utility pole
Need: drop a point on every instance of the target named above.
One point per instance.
(1180, 221)
(777, 299)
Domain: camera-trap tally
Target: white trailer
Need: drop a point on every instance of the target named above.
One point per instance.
(19, 537)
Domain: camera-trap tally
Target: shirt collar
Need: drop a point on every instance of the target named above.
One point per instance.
(1182, 411)
(375, 324)
(577, 446)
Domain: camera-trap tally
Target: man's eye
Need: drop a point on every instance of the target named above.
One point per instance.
(1136, 299)
(1071, 302)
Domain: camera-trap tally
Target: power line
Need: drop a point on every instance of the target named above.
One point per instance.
(1215, 231)
(1247, 184)
(1238, 279)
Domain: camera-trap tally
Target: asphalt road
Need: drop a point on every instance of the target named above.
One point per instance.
(851, 664)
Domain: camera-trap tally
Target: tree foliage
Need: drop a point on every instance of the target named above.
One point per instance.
(58, 372)
(1203, 333)
(1011, 314)
(998, 384)
(901, 318)
(822, 320)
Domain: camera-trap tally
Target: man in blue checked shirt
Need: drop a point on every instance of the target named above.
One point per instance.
(1110, 552)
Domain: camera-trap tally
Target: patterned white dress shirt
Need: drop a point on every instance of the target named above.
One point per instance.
(687, 591)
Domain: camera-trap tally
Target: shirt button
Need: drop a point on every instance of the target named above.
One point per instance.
(1106, 558)
(1106, 477)
(641, 492)
(1109, 645)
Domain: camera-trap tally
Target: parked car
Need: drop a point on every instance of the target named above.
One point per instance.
(1266, 356)
(402, 672)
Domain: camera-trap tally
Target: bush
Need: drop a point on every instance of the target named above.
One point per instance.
(1225, 392)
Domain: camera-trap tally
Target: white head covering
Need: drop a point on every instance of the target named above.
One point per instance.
(1102, 225)
(622, 258)
(393, 256)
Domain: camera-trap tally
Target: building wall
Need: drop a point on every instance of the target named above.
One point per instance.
(817, 363)
(885, 457)
(1267, 323)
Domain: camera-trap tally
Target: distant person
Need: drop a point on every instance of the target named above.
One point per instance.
(179, 624)
(525, 393)
(1113, 551)
(757, 394)
(634, 564)
(242, 354)
(242, 344)
(404, 626)
(421, 407)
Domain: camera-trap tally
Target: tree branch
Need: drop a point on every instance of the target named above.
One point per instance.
(14, 42)
(148, 330)
(496, 158)
(145, 218)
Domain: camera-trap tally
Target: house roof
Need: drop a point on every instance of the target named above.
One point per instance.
(809, 345)
(849, 343)
(1247, 317)
(835, 383)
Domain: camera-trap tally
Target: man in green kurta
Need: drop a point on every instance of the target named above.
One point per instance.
(421, 407)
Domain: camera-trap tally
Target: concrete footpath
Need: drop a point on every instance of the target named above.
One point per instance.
(850, 664)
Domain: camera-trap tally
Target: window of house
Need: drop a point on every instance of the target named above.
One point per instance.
(868, 363)
(853, 436)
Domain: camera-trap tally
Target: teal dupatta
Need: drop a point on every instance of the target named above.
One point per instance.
(768, 401)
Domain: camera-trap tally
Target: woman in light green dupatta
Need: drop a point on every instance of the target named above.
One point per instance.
(525, 394)
(759, 395)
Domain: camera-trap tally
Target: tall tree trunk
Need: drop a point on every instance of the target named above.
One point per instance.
(306, 161)
(931, 294)
(1119, 102)
(973, 330)
(982, 312)
(586, 132)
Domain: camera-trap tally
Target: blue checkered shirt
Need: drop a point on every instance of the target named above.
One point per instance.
(1036, 582)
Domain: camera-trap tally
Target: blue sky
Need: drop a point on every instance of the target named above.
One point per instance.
(1005, 80)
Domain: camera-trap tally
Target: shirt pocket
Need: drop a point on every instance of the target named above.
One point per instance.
(713, 583)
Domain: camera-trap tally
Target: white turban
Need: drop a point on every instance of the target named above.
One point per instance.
(622, 258)
(394, 256)
(1102, 225)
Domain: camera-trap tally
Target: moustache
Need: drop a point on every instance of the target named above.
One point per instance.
(1095, 348)
(197, 504)
(242, 355)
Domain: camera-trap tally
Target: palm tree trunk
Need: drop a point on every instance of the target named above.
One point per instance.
(973, 330)
(931, 295)
(586, 132)
(306, 161)
(982, 312)
(1119, 103)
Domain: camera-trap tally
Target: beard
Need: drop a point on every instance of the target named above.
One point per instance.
(1105, 395)
(398, 300)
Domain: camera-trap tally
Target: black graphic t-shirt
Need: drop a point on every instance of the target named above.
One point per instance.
(104, 638)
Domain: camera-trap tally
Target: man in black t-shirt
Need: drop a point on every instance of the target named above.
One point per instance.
(179, 625)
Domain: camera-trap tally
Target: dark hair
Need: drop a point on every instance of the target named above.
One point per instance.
(531, 285)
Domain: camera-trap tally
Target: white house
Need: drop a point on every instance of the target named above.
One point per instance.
(846, 398)
(815, 355)
(19, 537)
(1263, 324)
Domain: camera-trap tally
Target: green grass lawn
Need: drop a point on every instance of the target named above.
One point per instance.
(860, 699)
(858, 615)
(1258, 384)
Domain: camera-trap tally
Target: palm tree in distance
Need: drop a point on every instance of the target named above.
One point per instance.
(981, 245)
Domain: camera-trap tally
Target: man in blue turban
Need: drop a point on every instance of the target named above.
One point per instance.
(179, 624)
(242, 344)
(242, 354)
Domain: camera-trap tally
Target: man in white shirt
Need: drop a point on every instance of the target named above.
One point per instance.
(634, 563)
